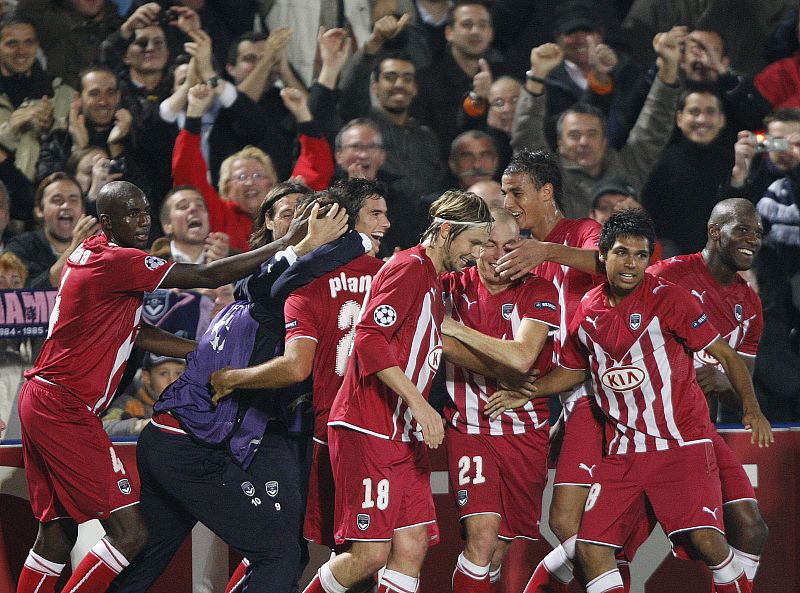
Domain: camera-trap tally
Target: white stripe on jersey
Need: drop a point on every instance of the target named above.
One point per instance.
(665, 368)
(121, 358)
(649, 412)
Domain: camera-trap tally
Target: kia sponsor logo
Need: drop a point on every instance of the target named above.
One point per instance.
(434, 358)
(624, 378)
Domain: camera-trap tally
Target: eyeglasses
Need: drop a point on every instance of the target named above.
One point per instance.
(391, 77)
(499, 103)
(254, 177)
(358, 147)
(155, 42)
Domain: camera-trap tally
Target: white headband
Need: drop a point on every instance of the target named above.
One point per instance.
(465, 223)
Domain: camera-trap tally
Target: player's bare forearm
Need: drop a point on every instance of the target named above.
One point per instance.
(427, 418)
(223, 271)
(518, 354)
(739, 376)
(558, 380)
(585, 260)
(462, 355)
(163, 343)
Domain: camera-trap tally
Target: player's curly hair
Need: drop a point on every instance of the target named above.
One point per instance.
(456, 206)
(633, 222)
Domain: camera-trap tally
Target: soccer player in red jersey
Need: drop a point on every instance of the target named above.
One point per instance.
(634, 336)
(320, 325)
(384, 505)
(563, 251)
(72, 470)
(733, 307)
(498, 465)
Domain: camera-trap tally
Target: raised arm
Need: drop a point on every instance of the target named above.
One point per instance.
(528, 128)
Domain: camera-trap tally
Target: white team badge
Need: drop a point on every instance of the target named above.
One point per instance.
(362, 520)
(623, 378)
(463, 497)
(248, 488)
(385, 315)
(272, 488)
(635, 321)
(124, 486)
(506, 310)
(152, 262)
(738, 312)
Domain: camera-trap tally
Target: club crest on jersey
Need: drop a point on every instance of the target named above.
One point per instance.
(151, 262)
(738, 312)
(463, 497)
(434, 358)
(272, 488)
(362, 521)
(124, 486)
(623, 378)
(248, 488)
(635, 321)
(507, 309)
(385, 315)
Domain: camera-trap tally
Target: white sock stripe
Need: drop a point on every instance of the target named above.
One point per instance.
(745, 555)
(395, 587)
(328, 581)
(402, 583)
(605, 582)
(110, 556)
(471, 569)
(42, 565)
(41, 582)
(87, 575)
(724, 563)
(569, 546)
(728, 572)
(494, 575)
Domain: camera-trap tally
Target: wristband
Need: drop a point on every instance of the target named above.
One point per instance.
(533, 78)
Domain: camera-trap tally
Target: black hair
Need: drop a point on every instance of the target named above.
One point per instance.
(633, 222)
(233, 48)
(541, 167)
(353, 193)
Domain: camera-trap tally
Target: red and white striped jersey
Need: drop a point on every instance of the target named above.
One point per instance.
(499, 316)
(400, 326)
(326, 311)
(735, 310)
(96, 318)
(571, 284)
(639, 357)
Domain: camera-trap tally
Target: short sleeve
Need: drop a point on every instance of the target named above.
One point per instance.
(687, 319)
(134, 270)
(573, 355)
(541, 303)
(299, 312)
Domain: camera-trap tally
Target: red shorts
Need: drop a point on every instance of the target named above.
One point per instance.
(681, 485)
(582, 448)
(504, 475)
(381, 486)
(71, 467)
(318, 526)
(736, 485)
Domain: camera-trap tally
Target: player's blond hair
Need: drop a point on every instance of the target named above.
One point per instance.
(461, 209)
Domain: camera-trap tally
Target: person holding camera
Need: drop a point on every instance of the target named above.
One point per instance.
(687, 176)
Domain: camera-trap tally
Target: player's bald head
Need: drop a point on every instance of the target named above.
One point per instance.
(732, 209)
(112, 196)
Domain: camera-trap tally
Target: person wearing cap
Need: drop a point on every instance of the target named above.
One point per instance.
(591, 72)
(131, 411)
(614, 195)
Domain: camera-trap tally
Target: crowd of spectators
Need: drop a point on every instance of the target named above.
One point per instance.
(671, 105)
